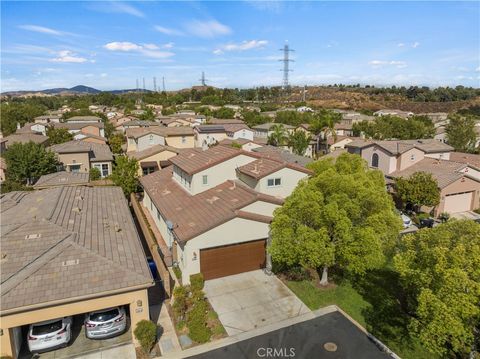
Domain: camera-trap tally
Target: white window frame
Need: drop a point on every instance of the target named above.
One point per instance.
(205, 180)
(274, 179)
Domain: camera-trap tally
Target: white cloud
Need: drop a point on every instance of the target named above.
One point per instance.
(168, 31)
(401, 44)
(207, 29)
(122, 46)
(42, 30)
(168, 45)
(243, 46)
(68, 56)
(116, 7)
(103, 75)
(380, 63)
(477, 69)
(415, 44)
(149, 50)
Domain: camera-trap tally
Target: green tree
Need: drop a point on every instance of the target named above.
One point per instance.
(148, 115)
(341, 217)
(94, 174)
(440, 271)
(278, 137)
(58, 135)
(420, 189)
(299, 142)
(323, 124)
(116, 141)
(125, 174)
(393, 127)
(18, 113)
(461, 133)
(26, 162)
(224, 112)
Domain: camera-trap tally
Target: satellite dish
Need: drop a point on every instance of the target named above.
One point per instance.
(169, 225)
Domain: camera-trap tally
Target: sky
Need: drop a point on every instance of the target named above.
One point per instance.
(109, 45)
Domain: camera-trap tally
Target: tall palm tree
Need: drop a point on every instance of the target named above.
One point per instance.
(278, 137)
(323, 126)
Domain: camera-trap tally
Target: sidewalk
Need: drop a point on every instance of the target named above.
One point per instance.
(168, 340)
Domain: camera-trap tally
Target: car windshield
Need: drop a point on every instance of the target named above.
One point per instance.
(104, 316)
(47, 328)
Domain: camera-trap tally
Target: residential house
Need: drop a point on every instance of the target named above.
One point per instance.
(225, 121)
(68, 251)
(138, 124)
(339, 142)
(246, 145)
(24, 138)
(265, 130)
(282, 155)
(213, 208)
(390, 112)
(78, 129)
(90, 138)
(470, 159)
(208, 135)
(139, 139)
(440, 134)
(47, 119)
(344, 128)
(80, 156)
(190, 118)
(153, 158)
(33, 127)
(83, 119)
(458, 181)
(62, 178)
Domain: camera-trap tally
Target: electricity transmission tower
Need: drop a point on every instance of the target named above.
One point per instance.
(163, 83)
(137, 89)
(286, 64)
(144, 84)
(155, 84)
(203, 80)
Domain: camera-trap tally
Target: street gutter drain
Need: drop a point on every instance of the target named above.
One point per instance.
(330, 347)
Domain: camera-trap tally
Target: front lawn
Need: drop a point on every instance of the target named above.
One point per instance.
(373, 302)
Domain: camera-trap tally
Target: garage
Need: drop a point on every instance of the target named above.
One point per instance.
(458, 202)
(232, 259)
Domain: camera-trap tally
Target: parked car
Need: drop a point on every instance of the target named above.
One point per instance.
(407, 222)
(426, 223)
(105, 323)
(49, 335)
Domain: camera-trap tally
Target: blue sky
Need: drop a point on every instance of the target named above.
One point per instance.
(108, 45)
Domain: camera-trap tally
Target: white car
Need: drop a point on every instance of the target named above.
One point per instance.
(50, 334)
(407, 222)
(105, 323)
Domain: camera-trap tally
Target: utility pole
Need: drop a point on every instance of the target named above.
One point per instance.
(286, 63)
(163, 83)
(155, 84)
(143, 84)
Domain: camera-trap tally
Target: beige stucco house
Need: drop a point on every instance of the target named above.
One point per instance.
(153, 158)
(56, 262)
(81, 156)
(139, 139)
(213, 207)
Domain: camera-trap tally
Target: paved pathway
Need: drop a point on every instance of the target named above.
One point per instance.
(168, 340)
(251, 300)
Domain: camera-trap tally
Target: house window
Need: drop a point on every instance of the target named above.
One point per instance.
(148, 170)
(205, 179)
(158, 214)
(150, 139)
(103, 168)
(412, 157)
(274, 182)
(184, 139)
(74, 168)
(375, 160)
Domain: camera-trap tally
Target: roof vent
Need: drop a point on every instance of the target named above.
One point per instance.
(33, 236)
(79, 198)
(70, 262)
(76, 209)
(213, 199)
(234, 185)
(192, 224)
(63, 179)
(71, 221)
(165, 192)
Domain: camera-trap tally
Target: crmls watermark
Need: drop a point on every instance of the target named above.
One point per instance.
(276, 352)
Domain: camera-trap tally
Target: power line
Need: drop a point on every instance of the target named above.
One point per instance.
(286, 63)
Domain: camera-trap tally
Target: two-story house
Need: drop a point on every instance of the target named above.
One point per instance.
(80, 156)
(458, 185)
(213, 208)
(208, 135)
(139, 139)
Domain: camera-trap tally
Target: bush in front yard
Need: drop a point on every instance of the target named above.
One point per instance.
(180, 294)
(94, 174)
(197, 323)
(146, 333)
(196, 282)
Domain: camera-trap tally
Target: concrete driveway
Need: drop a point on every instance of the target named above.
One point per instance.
(251, 300)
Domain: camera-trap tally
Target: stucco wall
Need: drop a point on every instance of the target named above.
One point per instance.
(162, 156)
(386, 162)
(409, 158)
(144, 142)
(181, 141)
(246, 134)
(439, 155)
(237, 230)
(80, 158)
(289, 180)
(159, 220)
(218, 174)
(131, 299)
(261, 207)
(209, 138)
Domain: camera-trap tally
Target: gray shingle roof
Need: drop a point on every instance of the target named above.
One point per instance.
(396, 147)
(25, 138)
(98, 151)
(62, 178)
(68, 242)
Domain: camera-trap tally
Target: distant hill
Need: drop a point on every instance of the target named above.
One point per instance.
(76, 90)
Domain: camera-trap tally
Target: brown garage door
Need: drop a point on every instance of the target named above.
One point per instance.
(232, 259)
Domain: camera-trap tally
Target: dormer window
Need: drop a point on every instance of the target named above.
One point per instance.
(205, 180)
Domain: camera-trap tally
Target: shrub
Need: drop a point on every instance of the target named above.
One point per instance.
(444, 216)
(178, 273)
(94, 174)
(197, 323)
(297, 274)
(196, 282)
(180, 294)
(146, 333)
